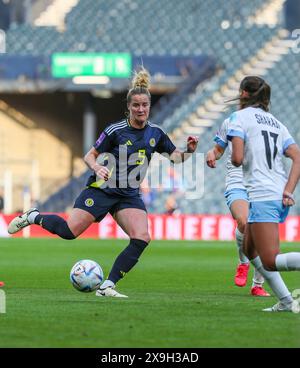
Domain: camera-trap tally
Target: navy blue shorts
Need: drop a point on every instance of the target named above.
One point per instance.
(98, 203)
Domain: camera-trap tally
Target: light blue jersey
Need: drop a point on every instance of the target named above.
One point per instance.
(266, 140)
(234, 176)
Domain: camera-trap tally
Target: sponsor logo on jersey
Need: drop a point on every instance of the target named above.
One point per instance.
(128, 143)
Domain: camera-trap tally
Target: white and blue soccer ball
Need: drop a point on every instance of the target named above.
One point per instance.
(86, 275)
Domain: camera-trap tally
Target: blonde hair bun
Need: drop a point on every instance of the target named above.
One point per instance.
(141, 79)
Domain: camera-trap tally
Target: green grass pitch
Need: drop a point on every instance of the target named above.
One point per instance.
(181, 295)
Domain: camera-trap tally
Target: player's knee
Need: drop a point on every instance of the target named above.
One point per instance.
(146, 237)
(140, 235)
(269, 264)
(74, 230)
(68, 232)
(241, 224)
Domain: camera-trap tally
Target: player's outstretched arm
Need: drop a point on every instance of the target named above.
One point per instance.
(180, 156)
(214, 154)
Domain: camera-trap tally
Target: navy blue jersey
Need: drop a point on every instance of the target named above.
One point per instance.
(127, 152)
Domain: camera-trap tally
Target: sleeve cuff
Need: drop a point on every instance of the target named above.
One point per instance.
(235, 133)
(287, 143)
(220, 142)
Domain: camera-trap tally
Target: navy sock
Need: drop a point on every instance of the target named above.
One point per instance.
(127, 259)
(55, 224)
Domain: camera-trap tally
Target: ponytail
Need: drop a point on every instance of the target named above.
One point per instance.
(258, 93)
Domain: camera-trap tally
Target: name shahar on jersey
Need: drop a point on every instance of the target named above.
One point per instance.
(266, 120)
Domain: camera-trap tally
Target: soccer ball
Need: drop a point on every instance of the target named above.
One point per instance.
(86, 275)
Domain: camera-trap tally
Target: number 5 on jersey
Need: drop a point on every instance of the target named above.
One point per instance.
(141, 156)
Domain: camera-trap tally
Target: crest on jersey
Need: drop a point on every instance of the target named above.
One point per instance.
(152, 142)
(89, 202)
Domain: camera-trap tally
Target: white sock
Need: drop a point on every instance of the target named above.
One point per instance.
(106, 284)
(258, 278)
(239, 241)
(288, 261)
(31, 217)
(274, 280)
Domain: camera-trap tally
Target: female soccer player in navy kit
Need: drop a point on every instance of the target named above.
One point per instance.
(259, 143)
(113, 187)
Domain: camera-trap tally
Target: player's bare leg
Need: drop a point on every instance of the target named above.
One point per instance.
(266, 239)
(273, 278)
(271, 257)
(79, 220)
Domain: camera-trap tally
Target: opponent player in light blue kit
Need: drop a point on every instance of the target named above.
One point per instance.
(259, 143)
(237, 202)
